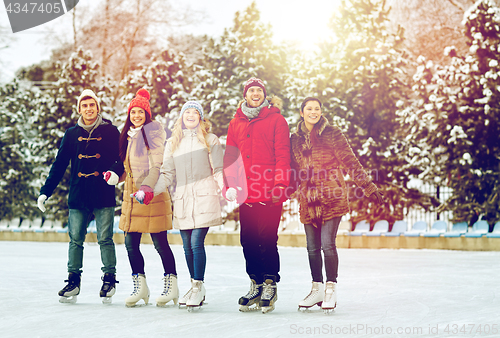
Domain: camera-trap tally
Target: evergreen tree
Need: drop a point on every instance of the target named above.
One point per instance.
(362, 83)
(243, 51)
(17, 181)
(457, 118)
(169, 80)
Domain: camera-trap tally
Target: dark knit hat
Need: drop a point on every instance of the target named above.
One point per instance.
(140, 100)
(254, 82)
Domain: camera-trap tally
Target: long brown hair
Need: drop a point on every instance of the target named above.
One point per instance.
(123, 140)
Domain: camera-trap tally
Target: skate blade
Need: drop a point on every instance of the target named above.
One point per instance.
(130, 305)
(266, 309)
(168, 304)
(68, 299)
(328, 311)
(251, 308)
(106, 300)
(192, 308)
(308, 308)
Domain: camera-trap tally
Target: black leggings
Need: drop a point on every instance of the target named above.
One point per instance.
(132, 242)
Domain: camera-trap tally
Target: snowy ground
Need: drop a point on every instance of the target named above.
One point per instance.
(382, 293)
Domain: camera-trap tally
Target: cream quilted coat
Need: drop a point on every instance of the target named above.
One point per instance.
(199, 181)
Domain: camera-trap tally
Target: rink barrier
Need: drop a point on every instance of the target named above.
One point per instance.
(288, 239)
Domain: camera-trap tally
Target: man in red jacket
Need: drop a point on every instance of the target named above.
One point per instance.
(256, 169)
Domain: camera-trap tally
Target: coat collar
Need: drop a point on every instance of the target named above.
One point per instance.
(264, 112)
(302, 129)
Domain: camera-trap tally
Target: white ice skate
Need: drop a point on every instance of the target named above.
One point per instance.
(269, 296)
(315, 297)
(330, 299)
(250, 301)
(170, 291)
(197, 298)
(141, 291)
(69, 293)
(183, 299)
(108, 288)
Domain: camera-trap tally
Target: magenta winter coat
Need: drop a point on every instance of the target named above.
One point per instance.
(257, 156)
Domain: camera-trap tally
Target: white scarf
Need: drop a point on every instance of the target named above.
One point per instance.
(133, 131)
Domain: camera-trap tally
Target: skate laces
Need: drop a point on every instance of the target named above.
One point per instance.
(269, 290)
(135, 279)
(329, 293)
(167, 283)
(254, 290)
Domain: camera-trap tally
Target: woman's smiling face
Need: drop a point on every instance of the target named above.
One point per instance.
(191, 118)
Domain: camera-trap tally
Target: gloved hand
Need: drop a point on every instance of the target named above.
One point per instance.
(277, 193)
(41, 201)
(110, 177)
(378, 197)
(231, 194)
(144, 195)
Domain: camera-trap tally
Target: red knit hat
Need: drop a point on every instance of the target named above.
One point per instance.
(254, 82)
(140, 100)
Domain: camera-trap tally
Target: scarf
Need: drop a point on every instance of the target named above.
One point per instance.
(253, 112)
(133, 131)
(90, 127)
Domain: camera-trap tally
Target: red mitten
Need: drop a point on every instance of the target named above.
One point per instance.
(148, 194)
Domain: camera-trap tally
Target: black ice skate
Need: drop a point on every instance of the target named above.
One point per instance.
(250, 301)
(108, 288)
(70, 292)
(269, 294)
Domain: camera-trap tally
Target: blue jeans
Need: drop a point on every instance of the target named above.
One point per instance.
(323, 238)
(160, 241)
(79, 219)
(193, 241)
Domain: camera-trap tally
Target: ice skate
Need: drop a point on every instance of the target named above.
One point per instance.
(141, 291)
(108, 288)
(315, 297)
(269, 295)
(330, 299)
(183, 299)
(70, 292)
(250, 301)
(197, 298)
(170, 291)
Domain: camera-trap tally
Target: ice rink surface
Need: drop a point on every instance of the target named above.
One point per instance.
(381, 293)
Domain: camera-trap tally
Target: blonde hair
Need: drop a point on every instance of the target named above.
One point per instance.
(204, 127)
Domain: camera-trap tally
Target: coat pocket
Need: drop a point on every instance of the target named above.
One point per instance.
(206, 201)
(178, 203)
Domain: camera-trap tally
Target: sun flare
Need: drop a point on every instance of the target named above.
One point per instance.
(304, 22)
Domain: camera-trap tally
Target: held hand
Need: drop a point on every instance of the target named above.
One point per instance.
(277, 194)
(144, 195)
(231, 194)
(378, 197)
(110, 177)
(41, 201)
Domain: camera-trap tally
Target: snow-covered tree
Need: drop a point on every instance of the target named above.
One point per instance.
(169, 80)
(362, 83)
(456, 118)
(245, 50)
(18, 156)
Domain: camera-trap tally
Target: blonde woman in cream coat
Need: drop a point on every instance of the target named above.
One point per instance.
(194, 157)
